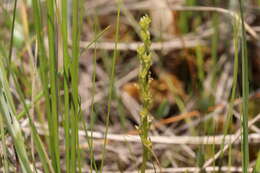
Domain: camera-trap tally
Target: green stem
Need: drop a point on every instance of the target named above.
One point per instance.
(74, 70)
(11, 41)
(54, 136)
(66, 65)
(146, 149)
(111, 84)
(245, 92)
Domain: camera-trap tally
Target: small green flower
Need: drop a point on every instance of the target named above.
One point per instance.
(145, 22)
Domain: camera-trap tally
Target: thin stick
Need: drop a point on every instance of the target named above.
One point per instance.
(178, 140)
(174, 44)
(194, 169)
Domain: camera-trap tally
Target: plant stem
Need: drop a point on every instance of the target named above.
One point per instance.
(245, 91)
(111, 84)
(66, 66)
(54, 136)
(11, 41)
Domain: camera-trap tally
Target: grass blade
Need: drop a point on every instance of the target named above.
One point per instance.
(11, 40)
(93, 92)
(245, 90)
(74, 70)
(54, 136)
(66, 66)
(44, 74)
(111, 85)
(7, 111)
(36, 138)
(4, 160)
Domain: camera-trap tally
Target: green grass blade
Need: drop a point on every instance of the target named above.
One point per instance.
(214, 44)
(44, 74)
(36, 138)
(11, 40)
(98, 36)
(92, 113)
(54, 136)
(245, 91)
(93, 92)
(74, 70)
(228, 121)
(200, 63)
(66, 66)
(111, 84)
(4, 147)
(4, 156)
(184, 17)
(7, 111)
(37, 98)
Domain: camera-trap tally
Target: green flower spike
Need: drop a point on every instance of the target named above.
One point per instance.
(145, 58)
